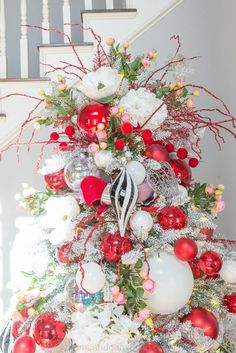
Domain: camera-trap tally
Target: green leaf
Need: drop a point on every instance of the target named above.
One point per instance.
(106, 99)
(140, 292)
(139, 264)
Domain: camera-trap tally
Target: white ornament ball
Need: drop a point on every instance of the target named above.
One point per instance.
(137, 171)
(174, 284)
(103, 158)
(141, 221)
(228, 271)
(93, 277)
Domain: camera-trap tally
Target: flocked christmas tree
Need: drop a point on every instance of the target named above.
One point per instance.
(133, 263)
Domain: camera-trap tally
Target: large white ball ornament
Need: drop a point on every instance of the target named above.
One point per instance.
(137, 171)
(228, 271)
(174, 284)
(93, 279)
(103, 158)
(141, 221)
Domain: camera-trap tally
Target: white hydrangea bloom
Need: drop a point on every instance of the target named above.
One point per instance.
(140, 104)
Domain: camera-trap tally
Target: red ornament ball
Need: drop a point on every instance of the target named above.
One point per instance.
(182, 171)
(56, 181)
(172, 217)
(157, 152)
(24, 344)
(182, 153)
(210, 263)
(185, 249)
(16, 325)
(47, 331)
(230, 302)
(204, 319)
(119, 144)
(193, 162)
(197, 272)
(207, 231)
(90, 117)
(114, 246)
(62, 253)
(151, 347)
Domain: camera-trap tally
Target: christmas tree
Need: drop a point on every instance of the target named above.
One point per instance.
(130, 260)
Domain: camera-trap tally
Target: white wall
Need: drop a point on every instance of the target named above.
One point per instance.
(206, 28)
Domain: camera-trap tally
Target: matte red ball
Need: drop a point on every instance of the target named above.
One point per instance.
(204, 319)
(210, 263)
(24, 344)
(151, 347)
(157, 152)
(56, 181)
(114, 246)
(197, 272)
(185, 249)
(62, 253)
(48, 332)
(15, 329)
(230, 302)
(182, 171)
(172, 217)
(90, 116)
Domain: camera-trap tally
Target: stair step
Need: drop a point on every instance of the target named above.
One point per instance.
(108, 11)
(65, 45)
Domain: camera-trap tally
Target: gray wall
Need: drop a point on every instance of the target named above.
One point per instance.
(207, 29)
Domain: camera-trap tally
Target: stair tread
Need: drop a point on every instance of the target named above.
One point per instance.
(108, 11)
(31, 79)
(82, 44)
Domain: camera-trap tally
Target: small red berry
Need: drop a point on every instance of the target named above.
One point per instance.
(127, 128)
(119, 144)
(63, 146)
(147, 137)
(193, 162)
(159, 142)
(182, 153)
(54, 136)
(70, 130)
(170, 147)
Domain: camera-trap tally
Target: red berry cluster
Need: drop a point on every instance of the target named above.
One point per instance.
(182, 153)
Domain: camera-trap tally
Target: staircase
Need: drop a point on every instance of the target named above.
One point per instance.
(124, 20)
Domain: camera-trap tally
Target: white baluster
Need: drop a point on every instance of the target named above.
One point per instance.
(45, 23)
(109, 4)
(88, 4)
(66, 19)
(24, 41)
(3, 60)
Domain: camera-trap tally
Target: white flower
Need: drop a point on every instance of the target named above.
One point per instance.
(101, 83)
(52, 165)
(62, 234)
(140, 104)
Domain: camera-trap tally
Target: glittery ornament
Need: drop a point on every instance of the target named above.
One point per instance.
(114, 246)
(48, 332)
(171, 217)
(197, 272)
(204, 319)
(76, 170)
(210, 263)
(76, 297)
(90, 117)
(230, 302)
(56, 181)
(162, 180)
(182, 171)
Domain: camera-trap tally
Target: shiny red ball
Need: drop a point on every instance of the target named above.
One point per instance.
(204, 319)
(185, 249)
(197, 272)
(24, 344)
(151, 347)
(90, 116)
(15, 329)
(48, 332)
(157, 152)
(182, 171)
(210, 263)
(56, 181)
(172, 217)
(230, 302)
(114, 246)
